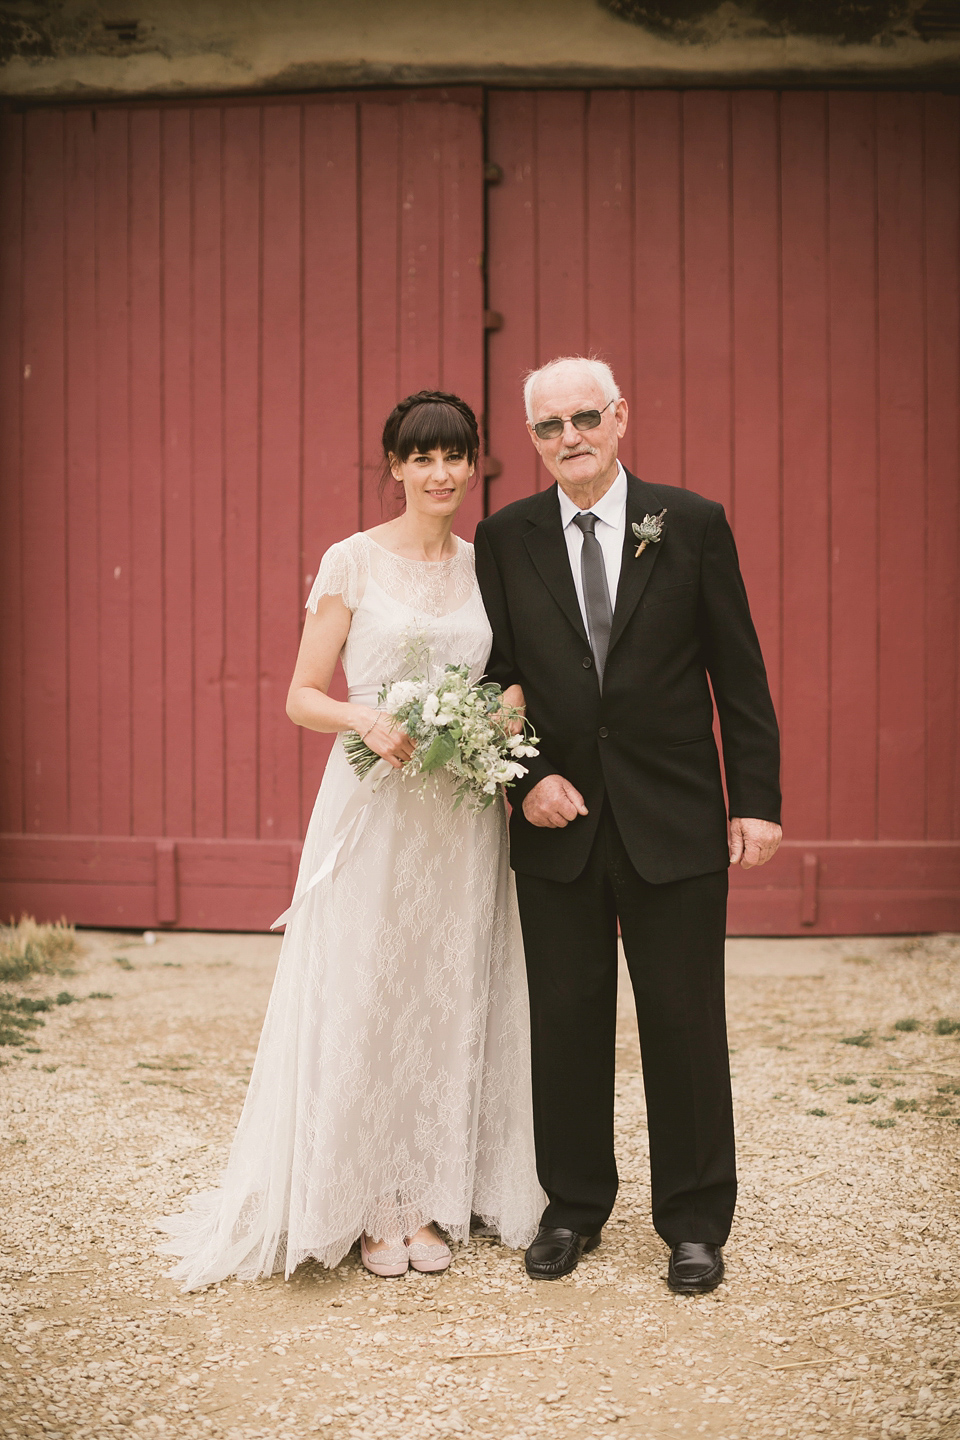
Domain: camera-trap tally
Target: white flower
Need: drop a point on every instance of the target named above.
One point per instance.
(430, 707)
(401, 692)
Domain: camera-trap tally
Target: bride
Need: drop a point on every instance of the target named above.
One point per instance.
(391, 1089)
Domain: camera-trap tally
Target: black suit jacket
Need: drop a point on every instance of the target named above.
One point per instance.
(681, 615)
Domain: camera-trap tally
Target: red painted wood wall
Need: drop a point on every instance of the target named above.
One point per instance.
(774, 279)
(206, 313)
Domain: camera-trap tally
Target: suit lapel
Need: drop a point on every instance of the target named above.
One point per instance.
(634, 571)
(547, 549)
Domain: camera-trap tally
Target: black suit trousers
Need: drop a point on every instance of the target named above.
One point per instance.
(673, 937)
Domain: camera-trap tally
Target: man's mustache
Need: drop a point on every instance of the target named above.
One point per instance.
(584, 449)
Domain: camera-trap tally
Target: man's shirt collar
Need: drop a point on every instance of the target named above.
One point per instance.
(609, 508)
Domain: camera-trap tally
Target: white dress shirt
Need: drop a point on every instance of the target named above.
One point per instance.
(611, 513)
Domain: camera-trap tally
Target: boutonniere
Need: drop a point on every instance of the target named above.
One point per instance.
(649, 532)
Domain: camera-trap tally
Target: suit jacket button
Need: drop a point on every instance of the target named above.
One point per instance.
(587, 661)
(603, 732)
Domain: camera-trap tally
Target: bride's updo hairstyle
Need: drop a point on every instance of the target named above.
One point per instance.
(429, 420)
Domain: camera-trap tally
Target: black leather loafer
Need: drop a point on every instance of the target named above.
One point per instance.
(556, 1252)
(694, 1268)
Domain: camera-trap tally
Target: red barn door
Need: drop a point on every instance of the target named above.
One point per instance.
(775, 281)
(206, 314)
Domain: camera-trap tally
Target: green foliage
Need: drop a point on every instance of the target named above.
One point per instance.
(884, 1124)
(123, 962)
(945, 1026)
(15, 1021)
(817, 1112)
(440, 752)
(30, 949)
(862, 1099)
(864, 1039)
(908, 1024)
(19, 1014)
(906, 1105)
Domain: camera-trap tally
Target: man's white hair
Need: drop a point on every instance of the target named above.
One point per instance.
(599, 370)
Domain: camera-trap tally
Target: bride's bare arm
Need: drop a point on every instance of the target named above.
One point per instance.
(309, 704)
(514, 696)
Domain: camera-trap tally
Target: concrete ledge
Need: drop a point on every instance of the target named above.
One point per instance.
(220, 47)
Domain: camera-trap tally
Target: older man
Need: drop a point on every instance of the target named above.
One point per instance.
(616, 604)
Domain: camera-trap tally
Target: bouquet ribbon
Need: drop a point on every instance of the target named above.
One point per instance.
(347, 833)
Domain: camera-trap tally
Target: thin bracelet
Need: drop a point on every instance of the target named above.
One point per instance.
(372, 727)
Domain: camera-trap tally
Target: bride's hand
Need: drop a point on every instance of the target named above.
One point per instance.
(387, 740)
(514, 698)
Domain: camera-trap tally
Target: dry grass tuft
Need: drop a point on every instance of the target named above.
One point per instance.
(28, 949)
(864, 1039)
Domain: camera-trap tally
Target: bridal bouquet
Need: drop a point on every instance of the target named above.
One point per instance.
(456, 726)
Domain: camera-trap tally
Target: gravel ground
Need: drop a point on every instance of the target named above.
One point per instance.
(839, 1315)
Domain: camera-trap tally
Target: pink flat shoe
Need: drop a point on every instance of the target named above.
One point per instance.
(389, 1260)
(428, 1259)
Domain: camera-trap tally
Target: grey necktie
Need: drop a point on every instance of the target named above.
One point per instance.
(596, 596)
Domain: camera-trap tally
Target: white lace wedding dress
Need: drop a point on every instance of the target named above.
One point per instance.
(391, 1086)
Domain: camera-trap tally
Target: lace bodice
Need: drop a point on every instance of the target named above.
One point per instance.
(395, 601)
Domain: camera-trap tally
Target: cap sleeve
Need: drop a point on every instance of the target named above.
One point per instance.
(342, 572)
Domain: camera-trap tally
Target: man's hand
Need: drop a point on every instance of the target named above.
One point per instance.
(751, 842)
(553, 803)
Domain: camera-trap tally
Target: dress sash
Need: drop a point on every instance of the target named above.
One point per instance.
(349, 827)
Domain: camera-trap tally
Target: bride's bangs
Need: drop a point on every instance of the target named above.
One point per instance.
(435, 426)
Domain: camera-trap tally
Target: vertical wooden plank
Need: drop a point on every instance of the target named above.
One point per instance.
(83, 553)
(462, 334)
(43, 510)
(657, 398)
(177, 378)
(421, 231)
(806, 380)
(853, 468)
(610, 326)
(279, 519)
(380, 205)
(901, 456)
(561, 223)
(12, 816)
(113, 424)
(942, 299)
(756, 500)
(207, 468)
(513, 291)
(706, 281)
(331, 366)
(241, 322)
(146, 491)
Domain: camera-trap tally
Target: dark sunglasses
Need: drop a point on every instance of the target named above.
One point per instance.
(583, 420)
